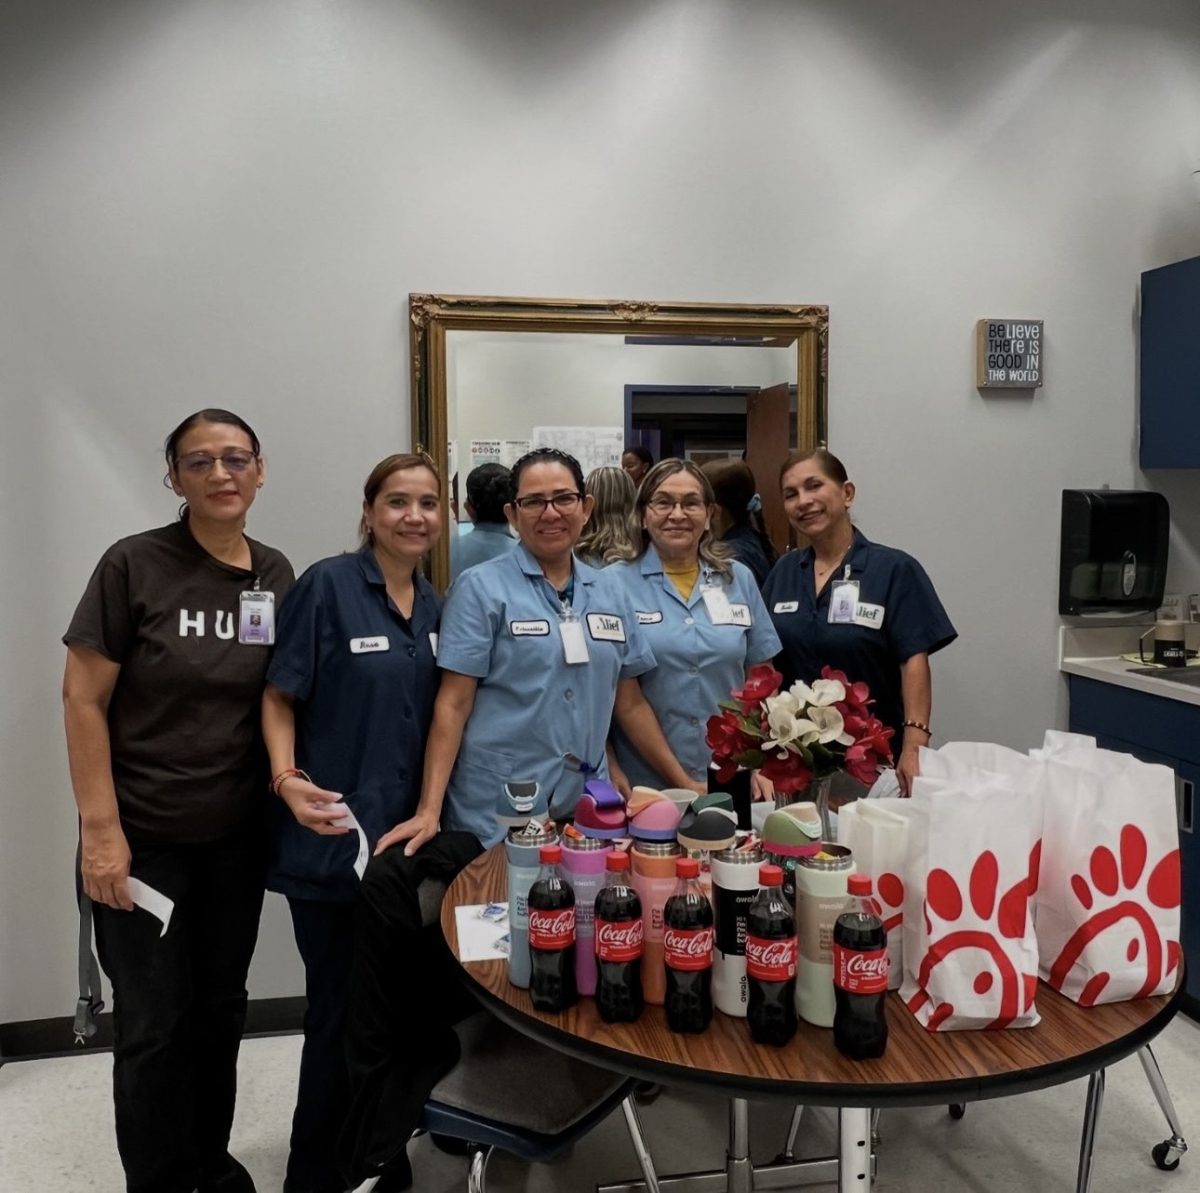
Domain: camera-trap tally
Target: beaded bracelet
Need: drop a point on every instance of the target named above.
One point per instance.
(291, 773)
(918, 725)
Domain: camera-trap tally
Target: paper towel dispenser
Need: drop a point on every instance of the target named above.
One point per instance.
(1113, 556)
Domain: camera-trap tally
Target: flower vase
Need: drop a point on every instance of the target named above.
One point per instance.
(817, 793)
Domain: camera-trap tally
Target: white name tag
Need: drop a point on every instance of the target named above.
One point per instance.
(717, 603)
(842, 602)
(368, 645)
(574, 643)
(523, 629)
(868, 615)
(256, 618)
(649, 618)
(786, 606)
(433, 641)
(739, 615)
(606, 627)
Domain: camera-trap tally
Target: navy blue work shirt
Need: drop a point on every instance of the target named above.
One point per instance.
(898, 616)
(744, 541)
(363, 677)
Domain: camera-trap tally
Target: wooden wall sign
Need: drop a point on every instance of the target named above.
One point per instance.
(1008, 353)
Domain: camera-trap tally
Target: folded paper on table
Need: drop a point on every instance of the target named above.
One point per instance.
(876, 833)
(479, 937)
(970, 952)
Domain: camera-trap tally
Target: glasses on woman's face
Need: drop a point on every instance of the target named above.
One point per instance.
(536, 505)
(692, 504)
(201, 463)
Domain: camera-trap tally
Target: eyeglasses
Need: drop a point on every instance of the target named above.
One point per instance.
(563, 502)
(200, 463)
(660, 503)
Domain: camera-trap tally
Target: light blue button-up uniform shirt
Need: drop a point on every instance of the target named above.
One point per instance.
(699, 663)
(501, 625)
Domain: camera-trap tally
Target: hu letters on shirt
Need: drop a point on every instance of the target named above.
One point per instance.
(223, 624)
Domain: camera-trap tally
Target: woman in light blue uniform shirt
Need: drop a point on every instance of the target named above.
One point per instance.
(539, 653)
(700, 611)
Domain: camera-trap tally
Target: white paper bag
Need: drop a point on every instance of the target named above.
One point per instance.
(1109, 893)
(970, 953)
(876, 832)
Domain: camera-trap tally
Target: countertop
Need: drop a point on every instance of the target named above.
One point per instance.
(1095, 653)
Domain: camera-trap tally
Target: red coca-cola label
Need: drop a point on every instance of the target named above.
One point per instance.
(551, 929)
(619, 940)
(771, 960)
(860, 973)
(688, 948)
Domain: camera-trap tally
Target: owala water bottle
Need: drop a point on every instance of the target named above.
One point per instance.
(583, 861)
(734, 888)
(521, 845)
(653, 865)
(821, 896)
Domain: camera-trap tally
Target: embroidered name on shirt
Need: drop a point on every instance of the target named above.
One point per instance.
(223, 623)
(605, 627)
(523, 629)
(786, 606)
(649, 618)
(368, 645)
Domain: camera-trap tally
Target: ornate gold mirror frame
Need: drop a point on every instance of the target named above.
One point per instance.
(431, 316)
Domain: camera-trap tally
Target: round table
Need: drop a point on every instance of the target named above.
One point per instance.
(919, 1068)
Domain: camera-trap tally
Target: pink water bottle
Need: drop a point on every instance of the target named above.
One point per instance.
(583, 867)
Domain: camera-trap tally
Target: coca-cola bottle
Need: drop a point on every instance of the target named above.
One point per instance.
(860, 975)
(619, 933)
(552, 936)
(688, 951)
(771, 962)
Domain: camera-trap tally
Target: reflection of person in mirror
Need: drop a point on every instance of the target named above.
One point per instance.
(737, 521)
(167, 766)
(346, 712)
(857, 606)
(637, 461)
(489, 490)
(611, 534)
(704, 619)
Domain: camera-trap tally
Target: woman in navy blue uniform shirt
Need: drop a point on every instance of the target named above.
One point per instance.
(345, 715)
(857, 606)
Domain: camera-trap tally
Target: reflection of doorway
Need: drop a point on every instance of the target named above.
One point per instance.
(703, 423)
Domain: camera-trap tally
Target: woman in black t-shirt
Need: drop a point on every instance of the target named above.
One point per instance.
(166, 660)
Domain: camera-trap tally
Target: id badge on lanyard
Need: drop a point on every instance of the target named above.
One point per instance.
(843, 600)
(570, 629)
(716, 601)
(256, 618)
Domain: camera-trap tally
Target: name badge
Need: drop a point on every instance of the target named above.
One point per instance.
(786, 606)
(433, 641)
(649, 618)
(868, 615)
(739, 615)
(369, 645)
(842, 602)
(606, 627)
(717, 604)
(575, 649)
(256, 618)
(529, 629)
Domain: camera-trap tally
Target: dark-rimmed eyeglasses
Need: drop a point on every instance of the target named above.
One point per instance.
(693, 503)
(200, 463)
(563, 502)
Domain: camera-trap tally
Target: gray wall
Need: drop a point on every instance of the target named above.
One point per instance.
(227, 202)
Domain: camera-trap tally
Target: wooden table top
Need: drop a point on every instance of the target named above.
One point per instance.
(918, 1068)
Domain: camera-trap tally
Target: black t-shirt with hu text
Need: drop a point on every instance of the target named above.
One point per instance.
(188, 760)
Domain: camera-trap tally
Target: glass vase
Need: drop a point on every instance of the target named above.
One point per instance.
(817, 792)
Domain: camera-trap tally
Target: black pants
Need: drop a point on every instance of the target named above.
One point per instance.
(405, 996)
(325, 939)
(179, 1009)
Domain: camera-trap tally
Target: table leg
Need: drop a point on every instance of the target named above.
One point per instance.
(1091, 1116)
(739, 1169)
(854, 1149)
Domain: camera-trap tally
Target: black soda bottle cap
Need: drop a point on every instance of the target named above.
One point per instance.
(770, 875)
(550, 854)
(617, 860)
(859, 884)
(687, 867)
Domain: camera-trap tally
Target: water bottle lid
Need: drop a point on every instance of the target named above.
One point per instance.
(859, 884)
(550, 855)
(617, 860)
(687, 867)
(770, 875)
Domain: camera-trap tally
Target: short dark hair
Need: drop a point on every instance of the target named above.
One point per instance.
(489, 490)
(642, 453)
(212, 414)
(547, 455)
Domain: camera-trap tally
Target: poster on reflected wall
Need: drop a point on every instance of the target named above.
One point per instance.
(593, 447)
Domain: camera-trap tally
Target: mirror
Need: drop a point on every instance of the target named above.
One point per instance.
(492, 377)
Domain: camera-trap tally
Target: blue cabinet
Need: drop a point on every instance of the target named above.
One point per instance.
(1170, 366)
(1155, 729)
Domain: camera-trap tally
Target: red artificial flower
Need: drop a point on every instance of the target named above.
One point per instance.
(858, 695)
(789, 773)
(726, 738)
(761, 681)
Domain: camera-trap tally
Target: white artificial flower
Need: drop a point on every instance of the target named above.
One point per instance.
(784, 700)
(801, 693)
(827, 691)
(787, 727)
(830, 725)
